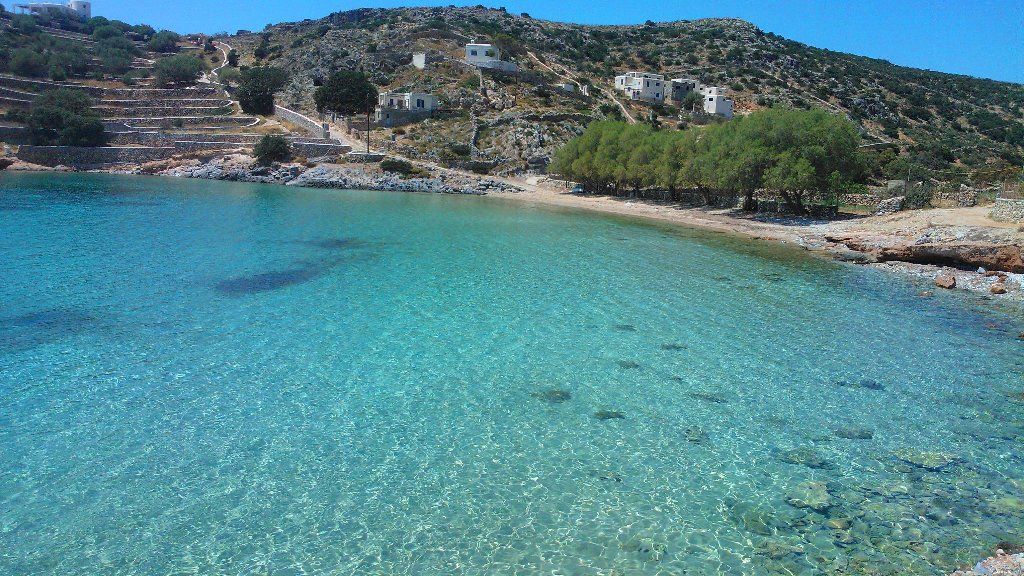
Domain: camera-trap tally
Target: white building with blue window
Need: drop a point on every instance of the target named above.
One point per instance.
(642, 86)
(397, 108)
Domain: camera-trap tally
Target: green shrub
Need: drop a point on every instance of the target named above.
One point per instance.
(177, 69)
(272, 149)
(396, 165)
(25, 62)
(164, 41)
(65, 117)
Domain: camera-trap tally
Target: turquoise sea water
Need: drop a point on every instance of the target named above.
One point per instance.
(213, 378)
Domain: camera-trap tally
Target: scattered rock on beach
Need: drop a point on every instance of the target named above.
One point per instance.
(998, 288)
(946, 281)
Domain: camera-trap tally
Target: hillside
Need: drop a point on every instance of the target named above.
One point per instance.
(948, 126)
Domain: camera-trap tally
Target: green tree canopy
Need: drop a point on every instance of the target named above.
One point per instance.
(177, 69)
(257, 86)
(272, 149)
(792, 152)
(65, 117)
(347, 93)
(164, 41)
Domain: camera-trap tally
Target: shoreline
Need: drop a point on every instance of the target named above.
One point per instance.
(891, 242)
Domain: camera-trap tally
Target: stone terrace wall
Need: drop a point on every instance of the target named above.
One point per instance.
(204, 91)
(1008, 210)
(81, 157)
(171, 122)
(959, 197)
(315, 128)
(157, 138)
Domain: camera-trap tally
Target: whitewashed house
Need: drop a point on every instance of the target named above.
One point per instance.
(488, 56)
(642, 86)
(76, 8)
(397, 108)
(713, 97)
(715, 101)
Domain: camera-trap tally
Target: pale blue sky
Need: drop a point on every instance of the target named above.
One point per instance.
(977, 37)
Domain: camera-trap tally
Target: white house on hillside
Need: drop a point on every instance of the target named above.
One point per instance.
(77, 8)
(488, 56)
(396, 108)
(713, 97)
(642, 86)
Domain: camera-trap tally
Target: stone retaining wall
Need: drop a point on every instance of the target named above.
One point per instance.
(157, 138)
(128, 124)
(961, 197)
(202, 91)
(315, 149)
(81, 157)
(163, 111)
(318, 129)
(13, 135)
(1008, 210)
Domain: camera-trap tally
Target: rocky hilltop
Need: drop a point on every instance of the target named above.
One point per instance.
(514, 122)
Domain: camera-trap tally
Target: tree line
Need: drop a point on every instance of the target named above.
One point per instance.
(800, 155)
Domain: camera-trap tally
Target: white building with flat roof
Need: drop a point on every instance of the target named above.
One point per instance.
(488, 56)
(642, 86)
(77, 8)
(396, 108)
(713, 98)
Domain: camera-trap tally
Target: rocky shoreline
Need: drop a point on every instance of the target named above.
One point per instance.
(242, 168)
(976, 257)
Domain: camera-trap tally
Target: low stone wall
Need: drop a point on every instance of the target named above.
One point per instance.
(164, 111)
(13, 135)
(1008, 210)
(858, 200)
(128, 124)
(961, 197)
(201, 91)
(121, 138)
(318, 129)
(315, 149)
(15, 102)
(81, 157)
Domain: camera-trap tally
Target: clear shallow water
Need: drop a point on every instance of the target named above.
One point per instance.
(214, 378)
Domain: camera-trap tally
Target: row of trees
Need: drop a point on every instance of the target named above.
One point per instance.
(794, 153)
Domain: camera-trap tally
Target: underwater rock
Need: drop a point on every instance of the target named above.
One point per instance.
(756, 519)
(926, 294)
(931, 461)
(696, 435)
(855, 433)
(777, 550)
(865, 384)
(625, 327)
(712, 397)
(628, 364)
(813, 495)
(606, 475)
(804, 457)
(648, 549)
(672, 347)
(609, 415)
(553, 395)
(838, 523)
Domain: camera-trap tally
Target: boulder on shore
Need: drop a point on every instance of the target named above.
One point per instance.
(947, 281)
